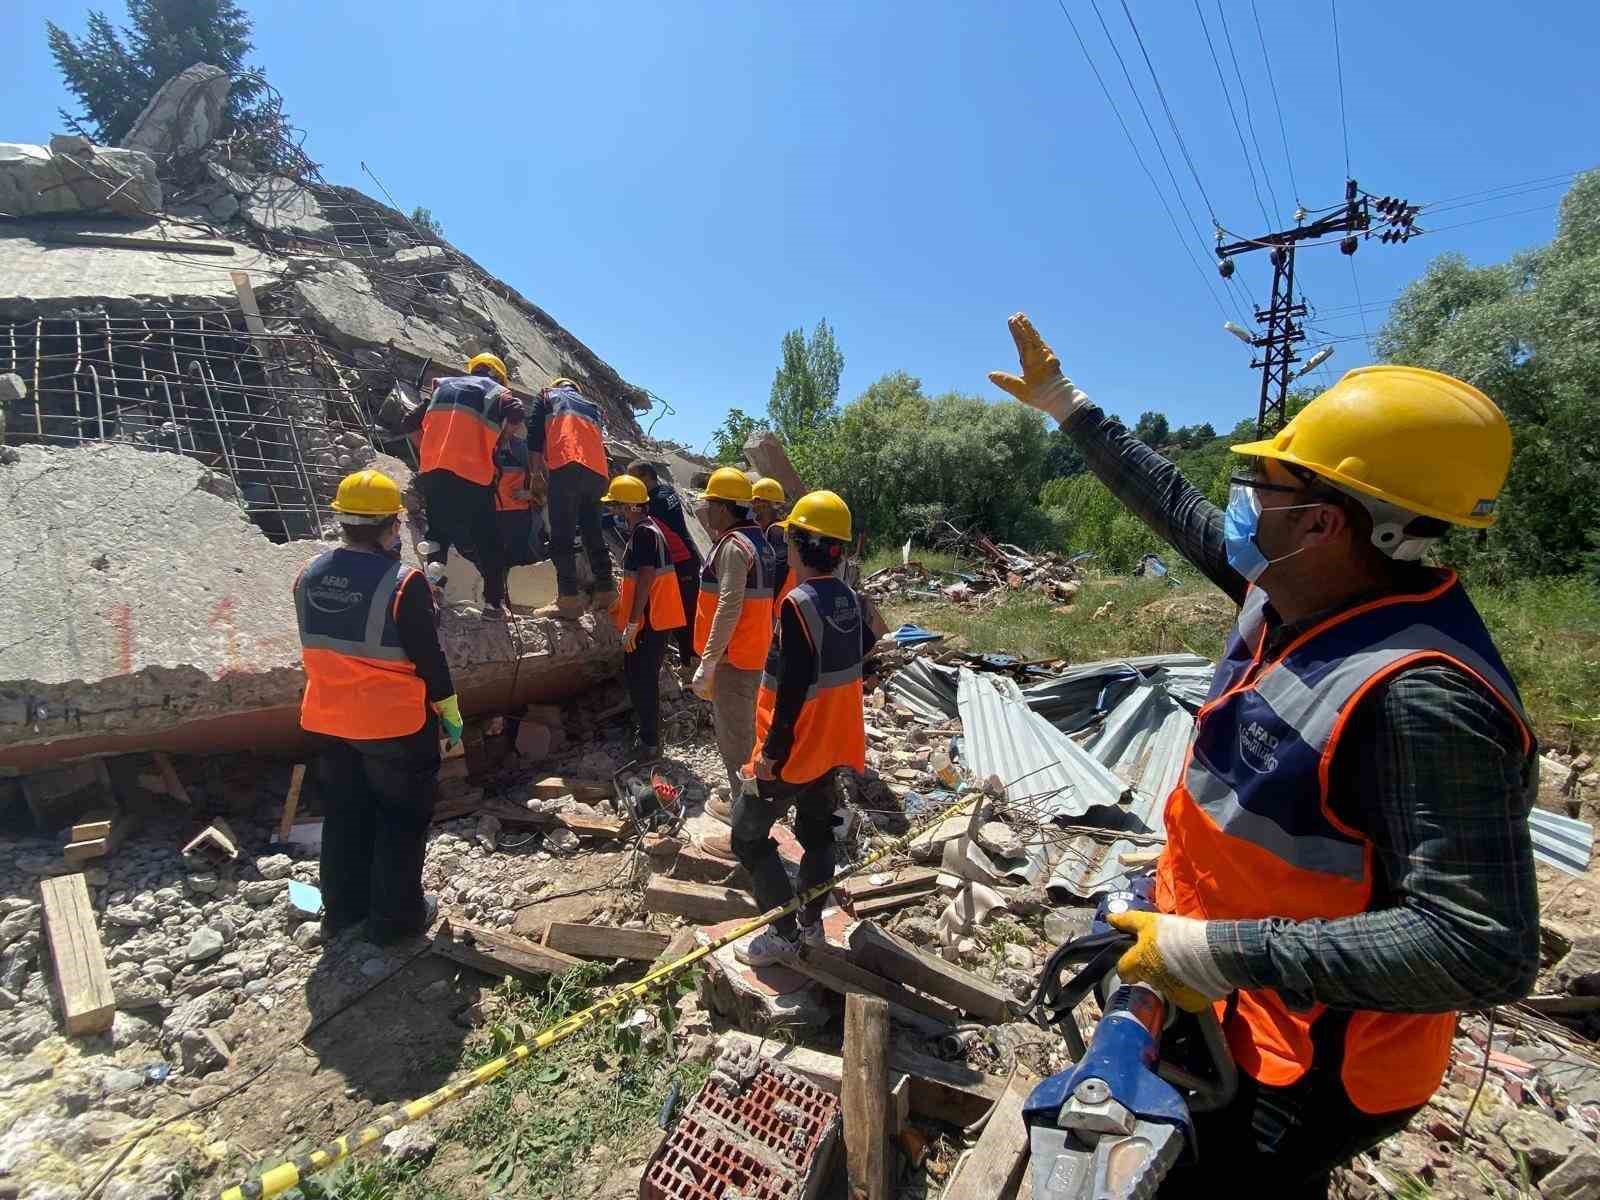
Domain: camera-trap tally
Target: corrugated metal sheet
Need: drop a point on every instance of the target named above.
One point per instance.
(1561, 842)
(926, 688)
(1073, 699)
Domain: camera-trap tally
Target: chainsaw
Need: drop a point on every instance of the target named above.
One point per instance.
(1111, 1126)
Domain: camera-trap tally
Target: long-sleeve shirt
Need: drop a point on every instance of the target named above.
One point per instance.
(797, 670)
(1431, 769)
(668, 509)
(419, 637)
(504, 406)
(733, 559)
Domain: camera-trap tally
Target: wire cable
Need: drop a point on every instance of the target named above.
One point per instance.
(1171, 120)
(1355, 279)
(1238, 130)
(1283, 128)
(1338, 60)
(1244, 96)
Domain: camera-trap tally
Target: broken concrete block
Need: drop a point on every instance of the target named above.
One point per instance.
(12, 388)
(184, 114)
(58, 797)
(75, 176)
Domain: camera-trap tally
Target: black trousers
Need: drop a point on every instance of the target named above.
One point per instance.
(515, 527)
(573, 505)
(377, 799)
(689, 588)
(461, 514)
(641, 672)
(753, 818)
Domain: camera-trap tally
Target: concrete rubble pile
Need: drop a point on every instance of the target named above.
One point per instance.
(996, 572)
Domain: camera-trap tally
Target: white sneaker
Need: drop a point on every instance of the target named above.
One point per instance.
(767, 948)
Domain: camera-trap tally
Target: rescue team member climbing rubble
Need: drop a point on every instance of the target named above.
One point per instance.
(518, 508)
(649, 609)
(733, 617)
(809, 722)
(768, 508)
(374, 670)
(1348, 861)
(668, 512)
(461, 426)
(565, 439)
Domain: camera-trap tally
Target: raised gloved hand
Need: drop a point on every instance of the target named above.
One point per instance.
(700, 685)
(630, 636)
(1041, 385)
(449, 710)
(1171, 956)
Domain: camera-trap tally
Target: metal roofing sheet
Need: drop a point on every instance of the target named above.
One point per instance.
(1562, 842)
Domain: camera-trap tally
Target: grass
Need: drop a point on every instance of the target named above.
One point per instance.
(1548, 631)
(889, 556)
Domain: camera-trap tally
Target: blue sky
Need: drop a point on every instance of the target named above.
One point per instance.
(681, 183)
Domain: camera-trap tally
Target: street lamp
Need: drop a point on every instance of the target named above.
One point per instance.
(1315, 361)
(1242, 334)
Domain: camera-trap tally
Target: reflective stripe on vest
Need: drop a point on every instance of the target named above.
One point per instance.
(360, 683)
(1251, 834)
(572, 432)
(831, 728)
(752, 636)
(664, 608)
(460, 430)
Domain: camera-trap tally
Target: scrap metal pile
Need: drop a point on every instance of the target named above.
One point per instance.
(993, 570)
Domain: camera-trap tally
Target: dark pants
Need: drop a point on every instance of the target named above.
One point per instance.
(641, 671)
(574, 509)
(689, 588)
(461, 514)
(515, 527)
(377, 799)
(753, 818)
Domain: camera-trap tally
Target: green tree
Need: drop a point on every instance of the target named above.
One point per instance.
(728, 439)
(1152, 429)
(114, 75)
(424, 220)
(805, 390)
(1062, 458)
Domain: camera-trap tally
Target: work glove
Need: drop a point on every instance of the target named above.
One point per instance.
(1171, 955)
(1041, 385)
(630, 636)
(700, 685)
(449, 710)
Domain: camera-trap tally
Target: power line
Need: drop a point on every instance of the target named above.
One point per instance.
(1227, 96)
(1492, 217)
(1355, 279)
(1511, 192)
(1171, 120)
(1277, 103)
(1550, 180)
(1244, 96)
(1338, 59)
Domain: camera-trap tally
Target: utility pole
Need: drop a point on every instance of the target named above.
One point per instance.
(1281, 317)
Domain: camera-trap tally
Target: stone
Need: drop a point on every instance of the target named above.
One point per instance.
(199, 1054)
(1579, 971)
(534, 741)
(918, 930)
(121, 1080)
(308, 934)
(375, 968)
(26, 1030)
(262, 891)
(128, 1029)
(18, 923)
(195, 1015)
(1018, 957)
(75, 176)
(224, 926)
(205, 943)
(140, 994)
(488, 831)
(438, 990)
(1063, 925)
(275, 866)
(276, 204)
(204, 883)
(129, 916)
(8, 1000)
(1577, 1178)
(1543, 1140)
(12, 388)
(410, 1143)
(186, 112)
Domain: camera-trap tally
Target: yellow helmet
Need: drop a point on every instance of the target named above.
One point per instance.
(821, 513)
(561, 381)
(1420, 440)
(492, 361)
(768, 489)
(728, 483)
(367, 498)
(626, 489)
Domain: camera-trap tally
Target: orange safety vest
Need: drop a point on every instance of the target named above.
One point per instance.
(572, 432)
(831, 729)
(664, 609)
(753, 634)
(359, 682)
(462, 427)
(779, 541)
(1251, 835)
(510, 477)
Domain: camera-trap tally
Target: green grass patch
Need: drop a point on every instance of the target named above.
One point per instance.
(1548, 631)
(934, 560)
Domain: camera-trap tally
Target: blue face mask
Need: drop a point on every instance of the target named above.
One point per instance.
(1241, 522)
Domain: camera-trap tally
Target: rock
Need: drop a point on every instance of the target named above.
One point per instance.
(1063, 925)
(410, 1143)
(140, 994)
(130, 1030)
(699, 1048)
(12, 388)
(488, 831)
(224, 927)
(275, 866)
(129, 916)
(205, 943)
(8, 1000)
(204, 883)
(919, 931)
(18, 923)
(74, 176)
(1577, 1178)
(194, 1015)
(262, 891)
(308, 934)
(1579, 972)
(966, 947)
(1542, 1139)
(375, 968)
(121, 1080)
(199, 1053)
(1018, 957)
(1021, 984)
(435, 991)
(561, 841)
(534, 741)
(184, 114)
(999, 838)
(26, 1030)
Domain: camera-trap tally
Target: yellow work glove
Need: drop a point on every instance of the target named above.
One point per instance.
(449, 710)
(1041, 384)
(1171, 956)
(630, 636)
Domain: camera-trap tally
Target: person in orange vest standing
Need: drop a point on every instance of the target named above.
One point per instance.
(809, 723)
(649, 608)
(378, 691)
(565, 439)
(518, 508)
(1348, 861)
(733, 617)
(768, 508)
(460, 427)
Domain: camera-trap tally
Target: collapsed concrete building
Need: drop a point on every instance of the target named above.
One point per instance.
(199, 336)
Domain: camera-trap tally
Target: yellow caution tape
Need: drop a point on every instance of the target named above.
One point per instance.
(286, 1175)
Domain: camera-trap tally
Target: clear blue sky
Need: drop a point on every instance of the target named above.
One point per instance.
(680, 183)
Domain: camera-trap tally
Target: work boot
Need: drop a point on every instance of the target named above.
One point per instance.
(720, 807)
(813, 935)
(565, 608)
(604, 601)
(720, 845)
(767, 948)
(495, 612)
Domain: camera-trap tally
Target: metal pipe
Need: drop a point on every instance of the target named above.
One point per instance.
(99, 406)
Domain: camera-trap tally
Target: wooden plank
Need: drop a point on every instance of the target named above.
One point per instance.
(495, 952)
(216, 839)
(169, 777)
(704, 903)
(906, 879)
(72, 237)
(605, 941)
(83, 985)
(95, 826)
(604, 828)
(994, 1169)
(879, 905)
(297, 776)
(836, 972)
(894, 958)
(866, 1096)
(553, 787)
(87, 848)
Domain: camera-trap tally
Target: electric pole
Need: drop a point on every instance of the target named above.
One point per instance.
(1281, 318)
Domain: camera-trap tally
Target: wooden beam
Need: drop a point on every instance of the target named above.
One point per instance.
(71, 237)
(553, 787)
(866, 1097)
(94, 826)
(495, 952)
(297, 776)
(837, 973)
(605, 941)
(906, 879)
(994, 1169)
(879, 905)
(893, 957)
(169, 777)
(83, 985)
(703, 903)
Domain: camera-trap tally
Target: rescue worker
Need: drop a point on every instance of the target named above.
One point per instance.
(377, 691)
(733, 617)
(666, 508)
(1348, 862)
(514, 501)
(649, 609)
(809, 723)
(460, 428)
(768, 508)
(565, 439)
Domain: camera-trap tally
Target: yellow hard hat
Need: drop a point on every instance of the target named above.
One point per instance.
(1420, 440)
(821, 513)
(561, 381)
(728, 483)
(492, 361)
(367, 498)
(626, 489)
(768, 489)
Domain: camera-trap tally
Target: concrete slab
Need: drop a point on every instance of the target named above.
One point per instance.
(340, 299)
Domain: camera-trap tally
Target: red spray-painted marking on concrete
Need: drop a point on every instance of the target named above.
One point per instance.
(122, 623)
(222, 615)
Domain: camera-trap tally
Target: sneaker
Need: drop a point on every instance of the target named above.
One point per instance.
(720, 807)
(767, 948)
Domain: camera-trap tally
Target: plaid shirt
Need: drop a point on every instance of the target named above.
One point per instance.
(1431, 769)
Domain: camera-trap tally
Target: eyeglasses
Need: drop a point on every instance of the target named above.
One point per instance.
(1257, 484)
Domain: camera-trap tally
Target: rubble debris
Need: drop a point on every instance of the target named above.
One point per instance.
(604, 941)
(865, 1100)
(996, 1163)
(703, 903)
(82, 982)
(992, 573)
(883, 953)
(216, 841)
(186, 112)
(495, 952)
(764, 451)
(836, 972)
(291, 801)
(75, 176)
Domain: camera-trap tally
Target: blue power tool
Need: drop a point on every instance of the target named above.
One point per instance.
(1112, 1125)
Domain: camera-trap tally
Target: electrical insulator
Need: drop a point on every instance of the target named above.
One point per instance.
(1225, 268)
(1348, 246)
(1277, 256)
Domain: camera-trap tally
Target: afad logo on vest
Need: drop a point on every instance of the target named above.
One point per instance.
(1258, 748)
(332, 594)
